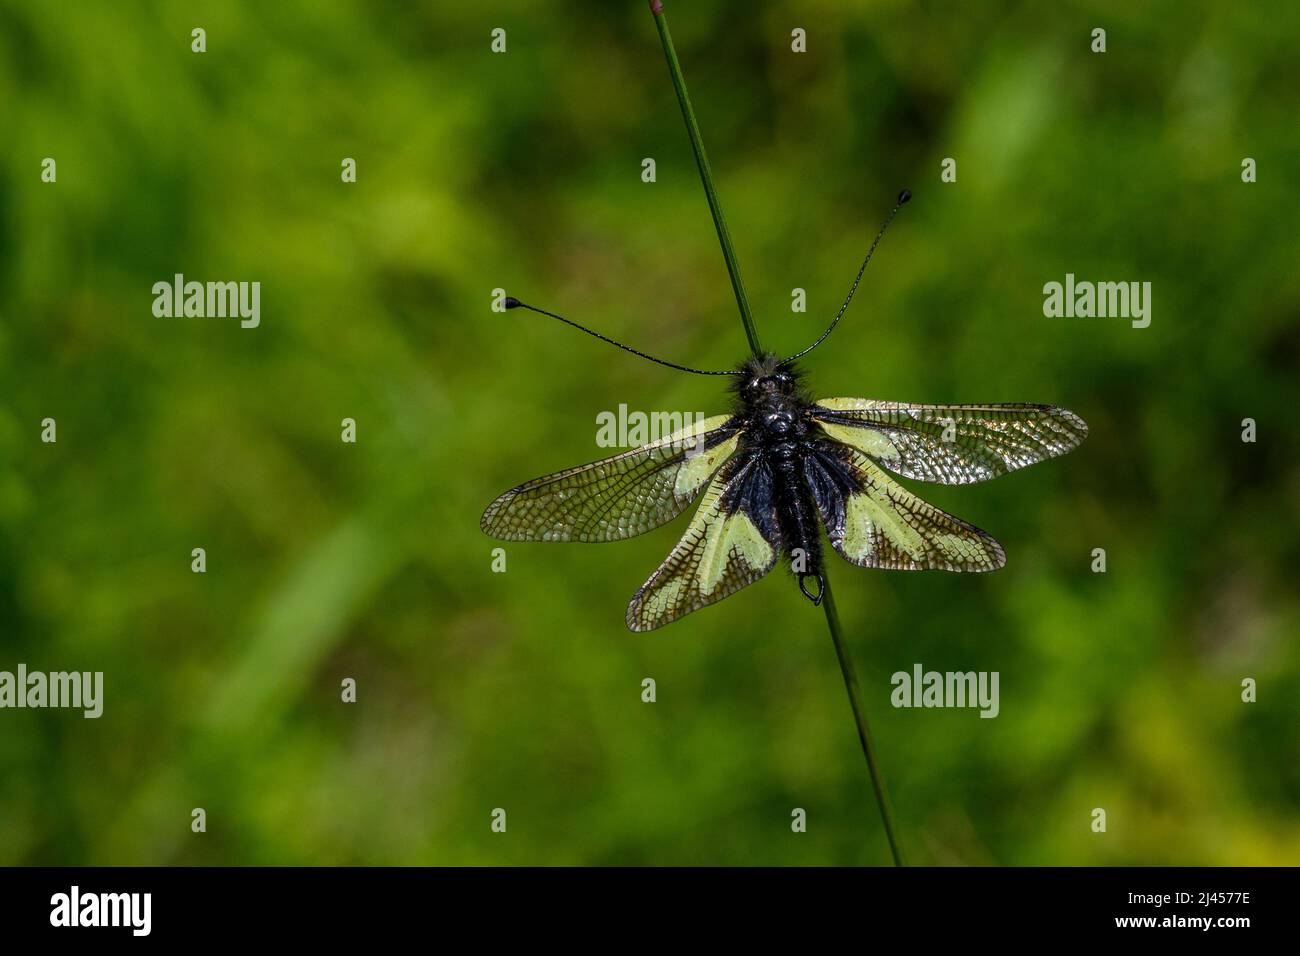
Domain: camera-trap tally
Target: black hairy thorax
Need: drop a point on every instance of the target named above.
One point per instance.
(778, 437)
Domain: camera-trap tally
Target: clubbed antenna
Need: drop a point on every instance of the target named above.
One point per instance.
(903, 197)
(512, 303)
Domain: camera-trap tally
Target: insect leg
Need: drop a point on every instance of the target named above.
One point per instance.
(821, 587)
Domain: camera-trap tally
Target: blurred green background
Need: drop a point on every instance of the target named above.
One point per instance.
(522, 170)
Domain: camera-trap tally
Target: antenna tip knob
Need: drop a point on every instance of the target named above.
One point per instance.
(904, 196)
(512, 302)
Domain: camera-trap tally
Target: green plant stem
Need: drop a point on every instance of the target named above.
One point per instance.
(706, 176)
(832, 617)
(751, 333)
(860, 718)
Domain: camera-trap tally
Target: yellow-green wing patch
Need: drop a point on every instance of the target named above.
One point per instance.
(886, 526)
(618, 497)
(951, 444)
(720, 553)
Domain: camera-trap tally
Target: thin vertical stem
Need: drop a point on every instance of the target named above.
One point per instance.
(860, 718)
(706, 177)
(751, 332)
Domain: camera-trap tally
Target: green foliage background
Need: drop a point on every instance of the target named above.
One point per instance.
(522, 690)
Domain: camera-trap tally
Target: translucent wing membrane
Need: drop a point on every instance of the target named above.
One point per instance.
(731, 542)
(951, 444)
(874, 522)
(617, 497)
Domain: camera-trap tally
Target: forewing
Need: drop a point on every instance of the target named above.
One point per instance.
(951, 444)
(874, 522)
(617, 497)
(731, 542)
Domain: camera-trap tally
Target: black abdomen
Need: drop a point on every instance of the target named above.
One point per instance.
(778, 427)
(796, 515)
